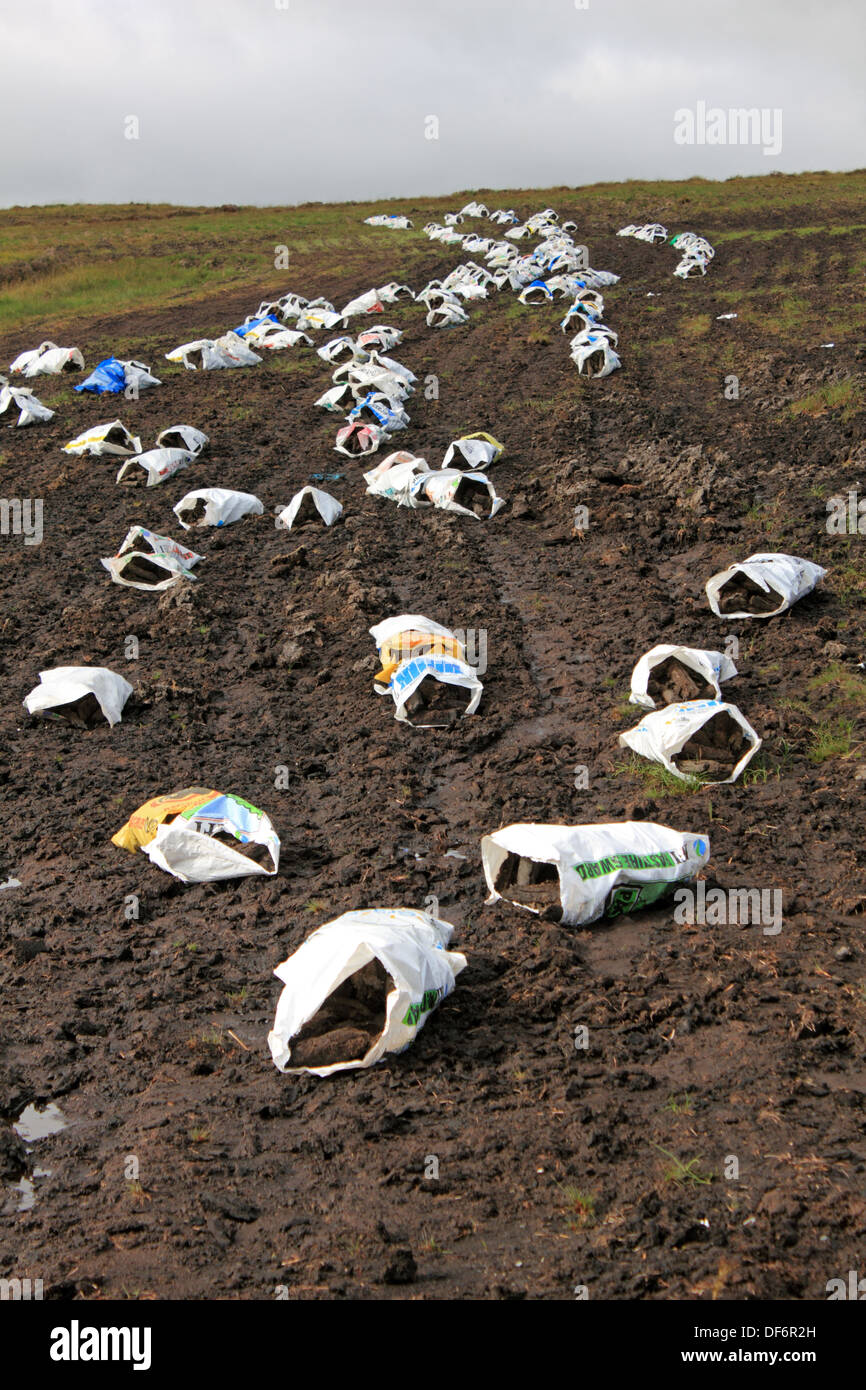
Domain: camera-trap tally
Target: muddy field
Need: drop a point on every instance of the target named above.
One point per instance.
(189, 1167)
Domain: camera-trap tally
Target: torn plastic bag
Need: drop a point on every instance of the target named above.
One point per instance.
(356, 440)
(111, 377)
(379, 408)
(474, 451)
(584, 872)
(80, 694)
(200, 836)
(274, 338)
(381, 339)
(337, 349)
(659, 678)
(593, 355)
(445, 314)
(183, 437)
(158, 464)
(212, 354)
(595, 331)
(413, 688)
(536, 292)
(308, 505)
(361, 986)
(215, 506)
(315, 317)
(48, 360)
(407, 635)
(474, 210)
(388, 219)
(456, 491)
(337, 398)
(394, 477)
(705, 739)
(762, 585)
(31, 411)
(367, 303)
(147, 560)
(503, 216)
(113, 439)
(254, 321)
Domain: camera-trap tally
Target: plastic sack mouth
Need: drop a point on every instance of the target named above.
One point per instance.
(348, 1022)
(138, 569)
(83, 713)
(740, 594)
(531, 884)
(672, 682)
(714, 750)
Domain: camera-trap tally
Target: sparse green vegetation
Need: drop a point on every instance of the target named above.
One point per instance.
(657, 781)
(831, 738)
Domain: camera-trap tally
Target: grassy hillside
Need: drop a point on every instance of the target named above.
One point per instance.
(62, 263)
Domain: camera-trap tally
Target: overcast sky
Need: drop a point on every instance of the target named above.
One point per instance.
(284, 101)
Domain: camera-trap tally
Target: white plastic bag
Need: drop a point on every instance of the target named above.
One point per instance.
(473, 451)
(394, 477)
(449, 670)
(412, 949)
(65, 685)
(222, 507)
(357, 439)
(592, 353)
(48, 360)
(660, 736)
(148, 556)
(783, 575)
(158, 464)
(177, 832)
(319, 503)
(712, 667)
(592, 871)
(450, 487)
(182, 437)
(31, 410)
(113, 438)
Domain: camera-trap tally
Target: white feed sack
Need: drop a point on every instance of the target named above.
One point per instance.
(473, 451)
(215, 506)
(149, 561)
(356, 440)
(395, 476)
(705, 667)
(361, 986)
(30, 409)
(452, 490)
(762, 586)
(416, 655)
(696, 739)
(79, 693)
(182, 437)
(201, 836)
(158, 464)
(48, 360)
(211, 354)
(584, 872)
(111, 439)
(310, 504)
